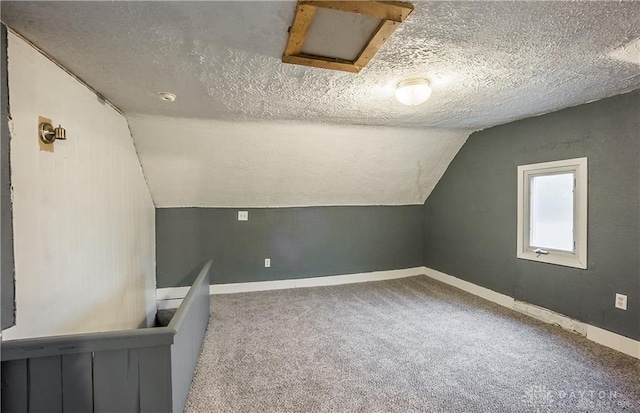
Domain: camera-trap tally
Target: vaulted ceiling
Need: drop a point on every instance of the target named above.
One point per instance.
(267, 164)
(488, 62)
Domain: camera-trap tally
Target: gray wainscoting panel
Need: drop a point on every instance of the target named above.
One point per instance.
(126, 371)
(14, 386)
(470, 218)
(155, 379)
(77, 382)
(190, 323)
(301, 242)
(45, 385)
(116, 373)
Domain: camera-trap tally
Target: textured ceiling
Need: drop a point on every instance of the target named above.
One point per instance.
(490, 62)
(247, 130)
(190, 162)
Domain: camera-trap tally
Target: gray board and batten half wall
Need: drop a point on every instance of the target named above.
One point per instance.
(301, 242)
(470, 217)
(147, 370)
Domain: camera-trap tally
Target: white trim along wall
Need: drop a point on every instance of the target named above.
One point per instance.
(172, 297)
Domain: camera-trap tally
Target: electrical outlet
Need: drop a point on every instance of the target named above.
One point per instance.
(243, 215)
(621, 301)
(267, 262)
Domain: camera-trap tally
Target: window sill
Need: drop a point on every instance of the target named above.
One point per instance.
(567, 260)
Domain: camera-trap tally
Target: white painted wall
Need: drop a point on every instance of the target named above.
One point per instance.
(204, 163)
(83, 215)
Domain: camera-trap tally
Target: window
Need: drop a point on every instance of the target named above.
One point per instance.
(552, 212)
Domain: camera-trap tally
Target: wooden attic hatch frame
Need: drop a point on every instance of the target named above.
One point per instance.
(372, 21)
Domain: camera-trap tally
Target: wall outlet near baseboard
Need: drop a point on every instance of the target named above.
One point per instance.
(621, 301)
(267, 262)
(243, 215)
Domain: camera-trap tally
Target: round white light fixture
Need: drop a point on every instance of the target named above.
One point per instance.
(413, 92)
(167, 96)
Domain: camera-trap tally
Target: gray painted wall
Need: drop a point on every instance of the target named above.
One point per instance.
(301, 242)
(6, 225)
(470, 218)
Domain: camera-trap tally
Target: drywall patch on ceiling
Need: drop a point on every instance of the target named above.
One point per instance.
(206, 163)
(630, 52)
(488, 62)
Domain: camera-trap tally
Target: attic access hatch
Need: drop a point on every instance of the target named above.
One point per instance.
(341, 35)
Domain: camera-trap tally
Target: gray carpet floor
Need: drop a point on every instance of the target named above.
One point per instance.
(407, 345)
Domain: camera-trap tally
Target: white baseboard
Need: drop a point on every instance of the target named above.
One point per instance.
(487, 294)
(315, 281)
(171, 293)
(615, 341)
(607, 338)
(172, 297)
(251, 287)
(169, 304)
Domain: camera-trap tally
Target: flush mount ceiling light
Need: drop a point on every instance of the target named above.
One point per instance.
(413, 92)
(341, 35)
(167, 96)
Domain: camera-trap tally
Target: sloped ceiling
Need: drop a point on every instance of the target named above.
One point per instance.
(489, 63)
(226, 164)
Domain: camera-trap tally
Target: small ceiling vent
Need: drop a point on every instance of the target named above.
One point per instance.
(342, 35)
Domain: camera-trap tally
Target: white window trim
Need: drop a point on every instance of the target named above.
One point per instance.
(577, 258)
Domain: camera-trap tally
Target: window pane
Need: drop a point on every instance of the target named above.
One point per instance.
(552, 211)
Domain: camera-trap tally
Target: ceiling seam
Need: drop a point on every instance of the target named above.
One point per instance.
(67, 71)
